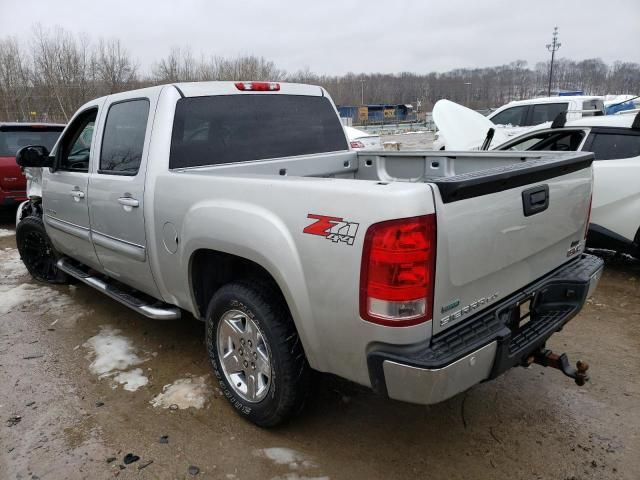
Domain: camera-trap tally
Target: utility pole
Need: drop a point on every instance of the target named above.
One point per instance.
(468, 84)
(361, 91)
(553, 48)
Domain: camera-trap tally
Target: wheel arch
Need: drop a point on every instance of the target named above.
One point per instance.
(211, 269)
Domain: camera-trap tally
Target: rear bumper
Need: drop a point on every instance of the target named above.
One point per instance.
(487, 344)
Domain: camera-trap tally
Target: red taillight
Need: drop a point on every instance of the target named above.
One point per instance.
(357, 144)
(398, 271)
(258, 86)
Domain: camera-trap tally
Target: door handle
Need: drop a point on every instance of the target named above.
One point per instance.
(128, 202)
(77, 194)
(535, 200)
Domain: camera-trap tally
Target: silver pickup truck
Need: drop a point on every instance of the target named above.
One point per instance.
(419, 274)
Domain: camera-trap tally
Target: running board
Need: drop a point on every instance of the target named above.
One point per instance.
(143, 307)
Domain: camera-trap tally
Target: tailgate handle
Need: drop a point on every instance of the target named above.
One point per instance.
(535, 200)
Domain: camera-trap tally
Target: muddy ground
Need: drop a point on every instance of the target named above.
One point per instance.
(60, 420)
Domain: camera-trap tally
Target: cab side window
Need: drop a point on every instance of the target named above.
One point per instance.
(514, 116)
(75, 148)
(123, 139)
(613, 146)
(566, 141)
(546, 112)
(561, 141)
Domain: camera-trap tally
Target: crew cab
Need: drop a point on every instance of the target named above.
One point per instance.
(417, 274)
(14, 136)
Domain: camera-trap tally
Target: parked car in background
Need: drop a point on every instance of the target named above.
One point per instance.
(615, 142)
(14, 136)
(360, 140)
(517, 116)
(460, 128)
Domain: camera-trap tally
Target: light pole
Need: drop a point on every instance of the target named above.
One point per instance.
(553, 48)
(362, 91)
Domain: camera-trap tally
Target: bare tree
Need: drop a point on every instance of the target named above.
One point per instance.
(114, 68)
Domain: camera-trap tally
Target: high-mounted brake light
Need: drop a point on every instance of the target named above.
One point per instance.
(258, 86)
(398, 271)
(357, 144)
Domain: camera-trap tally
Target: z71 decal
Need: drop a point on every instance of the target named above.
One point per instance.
(335, 229)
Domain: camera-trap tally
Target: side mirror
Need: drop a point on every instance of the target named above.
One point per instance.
(34, 156)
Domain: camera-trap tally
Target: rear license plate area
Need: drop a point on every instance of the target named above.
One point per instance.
(521, 315)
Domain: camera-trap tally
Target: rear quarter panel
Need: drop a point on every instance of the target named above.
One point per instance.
(262, 218)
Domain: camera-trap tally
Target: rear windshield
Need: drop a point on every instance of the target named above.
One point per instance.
(13, 139)
(239, 128)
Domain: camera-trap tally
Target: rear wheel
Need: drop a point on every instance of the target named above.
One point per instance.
(256, 353)
(37, 252)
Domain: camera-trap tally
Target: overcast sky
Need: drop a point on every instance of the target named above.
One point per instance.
(336, 37)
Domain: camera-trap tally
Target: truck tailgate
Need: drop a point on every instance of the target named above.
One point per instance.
(495, 234)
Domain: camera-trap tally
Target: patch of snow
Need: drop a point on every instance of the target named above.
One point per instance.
(132, 380)
(11, 267)
(285, 456)
(111, 352)
(39, 300)
(6, 233)
(295, 476)
(184, 393)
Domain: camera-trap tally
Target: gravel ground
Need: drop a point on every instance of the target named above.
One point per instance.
(66, 412)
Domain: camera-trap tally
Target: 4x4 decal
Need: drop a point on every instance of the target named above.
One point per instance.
(335, 229)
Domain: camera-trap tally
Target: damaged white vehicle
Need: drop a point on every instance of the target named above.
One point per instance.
(614, 140)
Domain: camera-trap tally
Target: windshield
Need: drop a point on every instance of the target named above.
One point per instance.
(14, 139)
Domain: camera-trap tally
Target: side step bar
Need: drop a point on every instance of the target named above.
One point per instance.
(163, 312)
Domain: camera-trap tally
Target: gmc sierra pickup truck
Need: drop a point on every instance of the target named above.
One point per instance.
(418, 274)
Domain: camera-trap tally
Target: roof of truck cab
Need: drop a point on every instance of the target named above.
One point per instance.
(202, 89)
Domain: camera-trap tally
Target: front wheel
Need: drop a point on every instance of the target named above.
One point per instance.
(37, 252)
(256, 353)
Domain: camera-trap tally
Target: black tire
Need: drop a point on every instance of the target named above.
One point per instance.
(289, 382)
(37, 252)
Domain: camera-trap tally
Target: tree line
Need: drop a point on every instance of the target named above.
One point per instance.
(49, 75)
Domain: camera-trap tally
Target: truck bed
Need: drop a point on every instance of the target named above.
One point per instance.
(487, 247)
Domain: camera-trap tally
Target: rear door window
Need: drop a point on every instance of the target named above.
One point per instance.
(123, 139)
(238, 128)
(514, 116)
(613, 146)
(546, 112)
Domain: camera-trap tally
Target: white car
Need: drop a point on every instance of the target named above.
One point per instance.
(360, 140)
(511, 119)
(615, 142)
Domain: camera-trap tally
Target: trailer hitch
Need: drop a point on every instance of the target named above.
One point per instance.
(547, 358)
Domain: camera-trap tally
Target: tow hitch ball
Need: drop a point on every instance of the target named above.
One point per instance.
(547, 358)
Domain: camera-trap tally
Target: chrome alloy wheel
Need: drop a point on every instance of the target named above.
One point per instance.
(244, 356)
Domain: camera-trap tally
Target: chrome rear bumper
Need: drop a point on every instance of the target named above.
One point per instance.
(488, 344)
